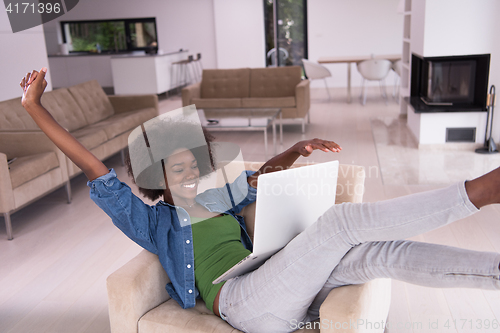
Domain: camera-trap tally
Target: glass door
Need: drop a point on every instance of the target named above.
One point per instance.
(289, 35)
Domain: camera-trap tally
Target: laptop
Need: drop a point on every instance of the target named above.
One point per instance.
(288, 202)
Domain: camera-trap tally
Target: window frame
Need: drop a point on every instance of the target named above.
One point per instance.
(128, 39)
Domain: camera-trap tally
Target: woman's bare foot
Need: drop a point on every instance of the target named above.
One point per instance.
(484, 190)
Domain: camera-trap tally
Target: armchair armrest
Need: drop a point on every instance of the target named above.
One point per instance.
(190, 92)
(302, 97)
(134, 289)
(128, 103)
(17, 143)
(357, 308)
(20, 143)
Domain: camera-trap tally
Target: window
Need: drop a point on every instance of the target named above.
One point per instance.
(111, 36)
(290, 37)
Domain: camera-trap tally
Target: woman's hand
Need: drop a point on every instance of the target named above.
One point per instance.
(33, 86)
(305, 148)
(288, 157)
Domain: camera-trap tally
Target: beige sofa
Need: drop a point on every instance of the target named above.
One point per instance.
(101, 123)
(139, 303)
(272, 87)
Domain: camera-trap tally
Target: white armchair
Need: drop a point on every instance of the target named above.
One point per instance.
(316, 71)
(139, 303)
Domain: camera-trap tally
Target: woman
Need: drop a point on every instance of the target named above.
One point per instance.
(349, 244)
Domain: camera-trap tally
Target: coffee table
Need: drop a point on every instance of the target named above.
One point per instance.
(245, 119)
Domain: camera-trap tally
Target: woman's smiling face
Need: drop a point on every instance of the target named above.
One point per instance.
(182, 173)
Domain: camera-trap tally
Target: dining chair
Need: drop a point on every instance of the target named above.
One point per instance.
(374, 70)
(315, 71)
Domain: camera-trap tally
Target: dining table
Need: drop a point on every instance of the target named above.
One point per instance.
(350, 59)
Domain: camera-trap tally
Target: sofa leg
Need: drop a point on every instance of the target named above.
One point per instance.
(303, 125)
(68, 191)
(8, 225)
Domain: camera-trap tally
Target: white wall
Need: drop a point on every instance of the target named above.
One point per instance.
(239, 31)
(460, 27)
(353, 27)
(20, 53)
(186, 24)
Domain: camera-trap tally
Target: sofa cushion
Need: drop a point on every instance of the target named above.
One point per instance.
(92, 100)
(90, 136)
(26, 168)
(63, 107)
(14, 116)
(268, 102)
(225, 83)
(202, 103)
(123, 122)
(274, 82)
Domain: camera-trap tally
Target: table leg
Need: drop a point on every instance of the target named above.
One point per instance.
(281, 130)
(265, 142)
(274, 135)
(348, 82)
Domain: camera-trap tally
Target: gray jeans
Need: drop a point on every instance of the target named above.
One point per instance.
(352, 244)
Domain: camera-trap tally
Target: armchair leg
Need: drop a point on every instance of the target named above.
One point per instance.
(303, 125)
(327, 90)
(8, 225)
(68, 191)
(363, 92)
(383, 90)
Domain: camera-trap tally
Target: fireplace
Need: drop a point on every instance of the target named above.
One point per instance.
(449, 84)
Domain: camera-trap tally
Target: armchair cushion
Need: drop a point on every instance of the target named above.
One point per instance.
(357, 305)
(197, 319)
(26, 168)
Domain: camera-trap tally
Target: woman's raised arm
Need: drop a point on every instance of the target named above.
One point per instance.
(288, 157)
(33, 86)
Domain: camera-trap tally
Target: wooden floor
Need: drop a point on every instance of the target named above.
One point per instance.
(52, 275)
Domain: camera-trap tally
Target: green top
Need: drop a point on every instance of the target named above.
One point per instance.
(217, 247)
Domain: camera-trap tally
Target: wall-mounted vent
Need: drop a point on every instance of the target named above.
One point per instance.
(466, 134)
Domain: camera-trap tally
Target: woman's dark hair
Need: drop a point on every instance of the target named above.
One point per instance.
(179, 135)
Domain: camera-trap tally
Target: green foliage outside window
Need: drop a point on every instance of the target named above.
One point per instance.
(111, 36)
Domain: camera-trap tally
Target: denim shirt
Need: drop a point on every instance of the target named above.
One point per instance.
(165, 230)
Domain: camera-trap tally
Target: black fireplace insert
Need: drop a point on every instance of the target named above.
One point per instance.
(449, 84)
